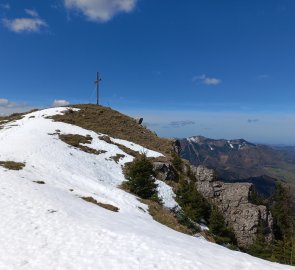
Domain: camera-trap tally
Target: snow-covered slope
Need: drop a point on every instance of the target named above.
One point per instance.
(50, 227)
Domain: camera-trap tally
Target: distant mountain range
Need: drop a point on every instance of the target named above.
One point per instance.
(240, 159)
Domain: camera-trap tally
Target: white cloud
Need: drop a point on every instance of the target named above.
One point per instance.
(3, 102)
(24, 24)
(8, 107)
(32, 12)
(60, 102)
(19, 25)
(207, 80)
(101, 10)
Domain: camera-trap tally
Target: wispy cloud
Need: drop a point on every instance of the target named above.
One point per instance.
(32, 12)
(250, 121)
(5, 6)
(60, 103)
(100, 10)
(181, 123)
(19, 25)
(263, 76)
(207, 80)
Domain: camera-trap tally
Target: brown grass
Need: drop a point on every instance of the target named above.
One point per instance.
(104, 205)
(76, 140)
(14, 117)
(160, 213)
(11, 165)
(107, 121)
(165, 217)
(125, 149)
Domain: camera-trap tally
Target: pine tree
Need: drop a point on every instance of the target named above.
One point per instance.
(194, 205)
(219, 228)
(141, 179)
(177, 162)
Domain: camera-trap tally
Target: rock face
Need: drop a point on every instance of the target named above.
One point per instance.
(233, 200)
(165, 171)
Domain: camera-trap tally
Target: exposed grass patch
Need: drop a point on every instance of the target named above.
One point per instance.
(103, 205)
(125, 149)
(76, 141)
(117, 157)
(128, 151)
(107, 121)
(11, 165)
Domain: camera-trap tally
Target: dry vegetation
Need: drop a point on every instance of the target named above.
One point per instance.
(107, 121)
(117, 157)
(76, 141)
(165, 217)
(125, 149)
(104, 205)
(160, 213)
(13, 117)
(11, 165)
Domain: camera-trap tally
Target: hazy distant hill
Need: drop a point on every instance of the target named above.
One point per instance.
(287, 149)
(239, 159)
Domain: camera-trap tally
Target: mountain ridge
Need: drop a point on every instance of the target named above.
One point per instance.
(60, 229)
(238, 159)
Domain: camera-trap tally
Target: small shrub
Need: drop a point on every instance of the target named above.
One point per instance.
(141, 179)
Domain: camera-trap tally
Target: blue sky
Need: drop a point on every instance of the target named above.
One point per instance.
(223, 69)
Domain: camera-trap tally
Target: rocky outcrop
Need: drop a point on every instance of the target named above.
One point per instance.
(164, 171)
(233, 200)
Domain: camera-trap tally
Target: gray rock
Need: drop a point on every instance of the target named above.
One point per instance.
(176, 148)
(233, 200)
(164, 171)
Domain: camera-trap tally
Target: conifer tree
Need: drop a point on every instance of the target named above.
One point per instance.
(141, 179)
(218, 227)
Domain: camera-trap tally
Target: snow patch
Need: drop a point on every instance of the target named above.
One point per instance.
(211, 148)
(167, 195)
(231, 146)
